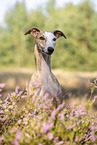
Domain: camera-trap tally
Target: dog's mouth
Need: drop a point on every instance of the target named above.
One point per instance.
(49, 51)
(46, 53)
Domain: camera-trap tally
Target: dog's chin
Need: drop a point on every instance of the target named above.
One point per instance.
(50, 53)
(47, 53)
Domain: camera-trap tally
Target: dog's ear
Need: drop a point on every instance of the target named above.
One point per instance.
(33, 31)
(58, 34)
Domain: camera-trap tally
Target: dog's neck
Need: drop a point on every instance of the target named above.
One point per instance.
(42, 63)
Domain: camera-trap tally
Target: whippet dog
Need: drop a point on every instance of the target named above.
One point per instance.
(43, 79)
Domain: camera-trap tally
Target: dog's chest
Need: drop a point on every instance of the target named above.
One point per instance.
(40, 85)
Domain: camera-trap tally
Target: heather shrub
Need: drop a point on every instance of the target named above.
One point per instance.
(27, 120)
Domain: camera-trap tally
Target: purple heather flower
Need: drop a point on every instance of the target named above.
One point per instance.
(0, 90)
(50, 135)
(19, 121)
(83, 122)
(9, 96)
(1, 111)
(72, 106)
(13, 94)
(61, 116)
(26, 85)
(80, 106)
(90, 82)
(25, 121)
(46, 127)
(53, 115)
(80, 112)
(2, 85)
(83, 113)
(87, 138)
(59, 143)
(60, 106)
(35, 85)
(47, 95)
(16, 142)
(93, 128)
(71, 127)
(93, 82)
(76, 138)
(93, 138)
(27, 135)
(29, 114)
(18, 136)
(55, 139)
(78, 123)
(95, 97)
(13, 129)
(71, 115)
(20, 93)
(24, 96)
(1, 138)
(17, 89)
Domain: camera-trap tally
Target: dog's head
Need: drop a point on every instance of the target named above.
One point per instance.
(45, 41)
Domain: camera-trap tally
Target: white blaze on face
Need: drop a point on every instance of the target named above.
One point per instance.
(50, 40)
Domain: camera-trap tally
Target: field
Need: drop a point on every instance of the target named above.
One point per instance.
(75, 84)
(27, 119)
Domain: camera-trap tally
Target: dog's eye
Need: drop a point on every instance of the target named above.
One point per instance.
(54, 39)
(42, 38)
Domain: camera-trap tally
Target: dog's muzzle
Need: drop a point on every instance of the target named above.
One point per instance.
(50, 50)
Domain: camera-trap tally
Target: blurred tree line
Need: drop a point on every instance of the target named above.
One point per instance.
(79, 24)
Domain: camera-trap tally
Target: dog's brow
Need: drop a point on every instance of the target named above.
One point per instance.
(41, 35)
(49, 35)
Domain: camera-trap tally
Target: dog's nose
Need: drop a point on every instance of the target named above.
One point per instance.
(50, 50)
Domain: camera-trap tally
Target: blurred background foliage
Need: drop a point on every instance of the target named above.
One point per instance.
(79, 24)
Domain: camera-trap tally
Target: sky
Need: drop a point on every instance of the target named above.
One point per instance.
(32, 4)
